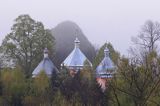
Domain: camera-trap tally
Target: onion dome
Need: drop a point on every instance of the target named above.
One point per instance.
(76, 58)
(45, 65)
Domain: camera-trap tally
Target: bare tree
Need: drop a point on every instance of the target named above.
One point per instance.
(148, 36)
(135, 84)
(138, 79)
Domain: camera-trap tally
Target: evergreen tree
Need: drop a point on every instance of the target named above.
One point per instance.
(113, 54)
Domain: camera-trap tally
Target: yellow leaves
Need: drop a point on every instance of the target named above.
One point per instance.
(13, 81)
(60, 100)
(30, 101)
(86, 74)
(7, 78)
(41, 82)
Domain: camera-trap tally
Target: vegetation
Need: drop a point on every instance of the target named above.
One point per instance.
(136, 82)
(23, 46)
(113, 54)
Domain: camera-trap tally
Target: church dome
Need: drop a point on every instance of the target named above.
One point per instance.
(45, 65)
(76, 58)
(106, 68)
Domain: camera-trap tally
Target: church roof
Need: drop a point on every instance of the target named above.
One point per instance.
(76, 58)
(45, 65)
(106, 67)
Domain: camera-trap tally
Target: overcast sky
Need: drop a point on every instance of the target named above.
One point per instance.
(115, 21)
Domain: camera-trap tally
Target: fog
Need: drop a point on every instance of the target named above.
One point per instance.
(114, 21)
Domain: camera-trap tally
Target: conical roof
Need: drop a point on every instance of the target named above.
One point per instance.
(45, 65)
(76, 58)
(106, 68)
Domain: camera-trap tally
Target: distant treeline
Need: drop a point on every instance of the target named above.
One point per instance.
(136, 82)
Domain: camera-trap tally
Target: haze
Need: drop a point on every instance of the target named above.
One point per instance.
(115, 21)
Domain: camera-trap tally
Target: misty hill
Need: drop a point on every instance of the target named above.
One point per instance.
(65, 34)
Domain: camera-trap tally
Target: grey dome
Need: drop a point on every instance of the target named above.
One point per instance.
(45, 65)
(76, 58)
(106, 68)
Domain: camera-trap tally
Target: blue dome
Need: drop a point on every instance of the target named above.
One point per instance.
(76, 58)
(106, 68)
(45, 65)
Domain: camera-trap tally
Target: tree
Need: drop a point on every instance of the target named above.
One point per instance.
(137, 80)
(25, 43)
(135, 84)
(148, 36)
(39, 91)
(113, 53)
(1, 64)
(13, 87)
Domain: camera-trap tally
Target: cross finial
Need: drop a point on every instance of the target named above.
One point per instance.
(45, 53)
(76, 32)
(106, 52)
(77, 42)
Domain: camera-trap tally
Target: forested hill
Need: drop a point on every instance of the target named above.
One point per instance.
(65, 34)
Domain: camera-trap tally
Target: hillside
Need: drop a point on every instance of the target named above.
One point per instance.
(65, 34)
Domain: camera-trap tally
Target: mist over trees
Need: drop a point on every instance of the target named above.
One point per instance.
(65, 34)
(115, 55)
(136, 82)
(149, 36)
(138, 77)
